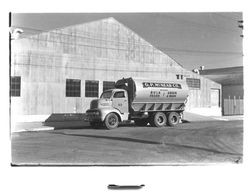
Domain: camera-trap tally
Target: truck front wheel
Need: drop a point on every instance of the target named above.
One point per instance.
(173, 118)
(158, 119)
(111, 121)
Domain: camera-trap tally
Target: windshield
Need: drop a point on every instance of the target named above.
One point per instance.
(106, 94)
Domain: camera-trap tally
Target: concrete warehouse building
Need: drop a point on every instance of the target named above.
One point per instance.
(62, 70)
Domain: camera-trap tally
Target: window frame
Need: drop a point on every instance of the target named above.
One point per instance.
(15, 86)
(73, 88)
(107, 82)
(124, 96)
(192, 84)
(88, 89)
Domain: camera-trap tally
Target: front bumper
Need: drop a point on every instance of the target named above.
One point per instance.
(93, 115)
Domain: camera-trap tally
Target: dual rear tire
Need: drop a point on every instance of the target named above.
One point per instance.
(160, 119)
(173, 118)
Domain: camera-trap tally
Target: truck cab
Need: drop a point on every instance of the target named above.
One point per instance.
(111, 107)
(119, 99)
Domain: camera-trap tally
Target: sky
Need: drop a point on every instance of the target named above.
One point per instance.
(192, 39)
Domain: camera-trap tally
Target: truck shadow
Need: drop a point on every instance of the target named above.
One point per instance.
(109, 137)
(77, 121)
(67, 125)
(126, 139)
(57, 125)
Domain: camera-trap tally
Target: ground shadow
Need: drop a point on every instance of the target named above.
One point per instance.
(62, 117)
(148, 142)
(57, 125)
(185, 121)
(67, 120)
(67, 125)
(78, 121)
(74, 121)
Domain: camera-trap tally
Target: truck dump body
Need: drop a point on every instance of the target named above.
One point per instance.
(154, 95)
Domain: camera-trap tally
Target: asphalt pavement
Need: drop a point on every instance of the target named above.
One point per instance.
(199, 142)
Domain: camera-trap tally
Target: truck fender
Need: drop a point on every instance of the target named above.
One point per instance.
(105, 112)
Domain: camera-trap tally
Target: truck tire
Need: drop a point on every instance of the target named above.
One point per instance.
(173, 118)
(158, 119)
(141, 122)
(111, 121)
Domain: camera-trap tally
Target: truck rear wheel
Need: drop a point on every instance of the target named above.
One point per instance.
(158, 119)
(111, 121)
(141, 122)
(173, 118)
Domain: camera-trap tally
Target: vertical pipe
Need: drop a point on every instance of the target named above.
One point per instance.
(234, 106)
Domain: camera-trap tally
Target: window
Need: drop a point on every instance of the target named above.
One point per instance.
(106, 95)
(193, 83)
(15, 86)
(108, 85)
(119, 94)
(73, 88)
(91, 88)
(179, 76)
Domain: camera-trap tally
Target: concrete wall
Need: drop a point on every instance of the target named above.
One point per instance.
(104, 50)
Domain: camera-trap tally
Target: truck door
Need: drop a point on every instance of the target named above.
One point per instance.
(120, 101)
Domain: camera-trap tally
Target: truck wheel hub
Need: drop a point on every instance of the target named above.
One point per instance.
(174, 119)
(160, 120)
(112, 121)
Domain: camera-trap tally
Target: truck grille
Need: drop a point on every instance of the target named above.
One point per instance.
(94, 104)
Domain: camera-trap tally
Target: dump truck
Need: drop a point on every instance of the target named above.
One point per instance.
(155, 102)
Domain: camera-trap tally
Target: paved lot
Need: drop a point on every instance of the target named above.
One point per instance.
(196, 142)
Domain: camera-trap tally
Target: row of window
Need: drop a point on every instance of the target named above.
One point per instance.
(73, 86)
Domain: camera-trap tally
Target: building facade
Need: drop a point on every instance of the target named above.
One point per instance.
(62, 70)
(231, 80)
